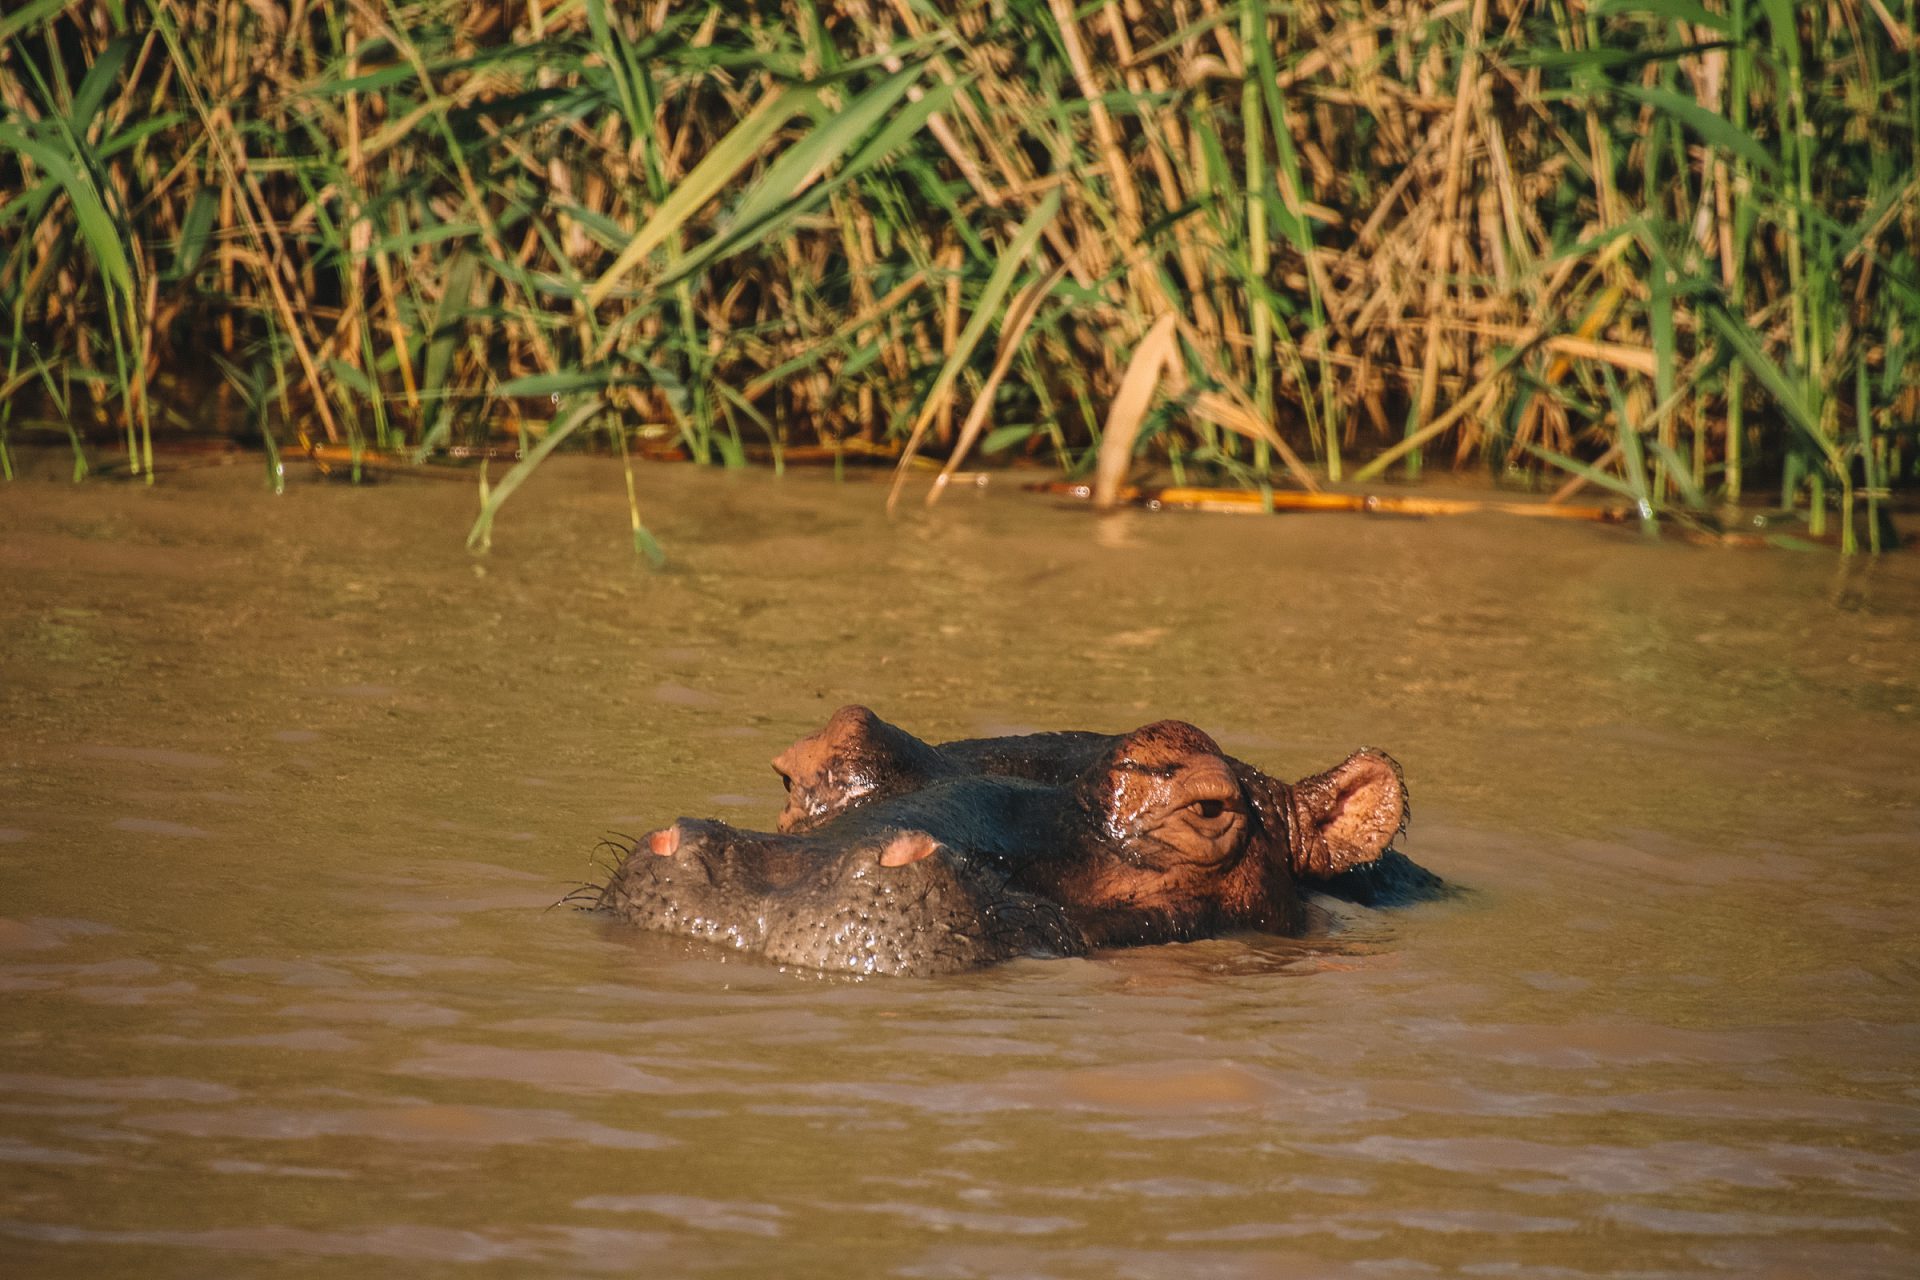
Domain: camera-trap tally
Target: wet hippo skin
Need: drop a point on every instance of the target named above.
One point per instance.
(1160, 837)
(896, 889)
(858, 758)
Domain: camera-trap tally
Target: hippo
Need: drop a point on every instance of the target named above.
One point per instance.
(858, 758)
(1161, 837)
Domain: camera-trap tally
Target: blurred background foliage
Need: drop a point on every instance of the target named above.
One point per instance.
(1658, 247)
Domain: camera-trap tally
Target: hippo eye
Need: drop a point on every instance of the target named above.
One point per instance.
(1213, 816)
(1204, 831)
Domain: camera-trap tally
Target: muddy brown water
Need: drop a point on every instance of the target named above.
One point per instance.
(288, 785)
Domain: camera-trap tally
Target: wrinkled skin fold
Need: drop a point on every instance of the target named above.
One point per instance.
(898, 857)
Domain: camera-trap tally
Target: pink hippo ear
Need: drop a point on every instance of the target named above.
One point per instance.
(908, 847)
(1349, 815)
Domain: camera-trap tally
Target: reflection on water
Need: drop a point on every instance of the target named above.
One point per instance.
(290, 788)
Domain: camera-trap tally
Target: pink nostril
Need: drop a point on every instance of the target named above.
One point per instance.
(666, 841)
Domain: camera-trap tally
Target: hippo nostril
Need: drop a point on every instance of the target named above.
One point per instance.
(666, 841)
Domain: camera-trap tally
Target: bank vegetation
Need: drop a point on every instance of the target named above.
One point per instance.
(1659, 247)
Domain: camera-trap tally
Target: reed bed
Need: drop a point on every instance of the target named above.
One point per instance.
(1663, 248)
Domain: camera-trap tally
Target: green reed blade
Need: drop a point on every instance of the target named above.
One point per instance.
(1712, 128)
(98, 228)
(728, 157)
(29, 15)
(87, 99)
(1678, 472)
(1586, 471)
(1786, 392)
(789, 192)
(1690, 11)
(482, 532)
(811, 156)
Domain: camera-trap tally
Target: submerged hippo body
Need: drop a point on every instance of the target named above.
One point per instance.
(1159, 837)
(859, 759)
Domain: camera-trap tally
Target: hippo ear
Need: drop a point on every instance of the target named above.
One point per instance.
(824, 773)
(855, 759)
(908, 847)
(847, 727)
(1349, 815)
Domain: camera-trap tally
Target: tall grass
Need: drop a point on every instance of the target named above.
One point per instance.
(1664, 247)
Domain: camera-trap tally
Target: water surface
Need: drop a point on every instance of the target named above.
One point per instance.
(288, 785)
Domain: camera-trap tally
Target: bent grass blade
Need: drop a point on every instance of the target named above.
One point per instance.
(985, 308)
(480, 537)
(1129, 408)
(707, 179)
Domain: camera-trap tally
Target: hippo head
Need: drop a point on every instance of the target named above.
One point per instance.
(1318, 827)
(900, 857)
(1173, 838)
(874, 899)
(856, 759)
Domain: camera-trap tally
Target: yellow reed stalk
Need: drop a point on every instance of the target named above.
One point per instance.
(260, 228)
(1442, 237)
(1113, 159)
(1020, 313)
